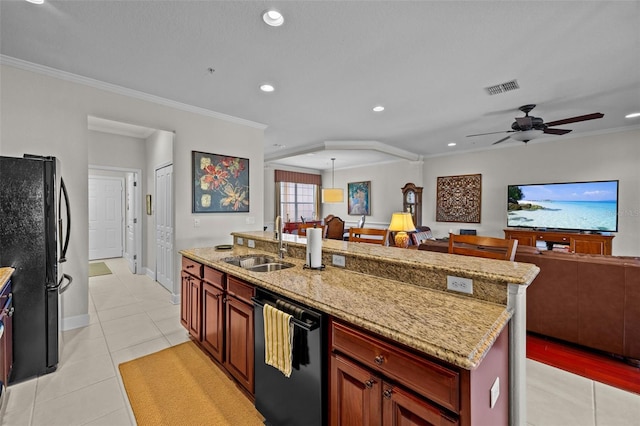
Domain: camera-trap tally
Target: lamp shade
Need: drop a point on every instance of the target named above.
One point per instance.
(332, 195)
(401, 221)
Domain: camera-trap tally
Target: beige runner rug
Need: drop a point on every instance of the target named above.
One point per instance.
(182, 386)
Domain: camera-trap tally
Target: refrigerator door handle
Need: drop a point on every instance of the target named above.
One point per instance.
(62, 288)
(63, 247)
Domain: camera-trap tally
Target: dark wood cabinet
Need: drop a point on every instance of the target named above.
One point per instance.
(217, 311)
(213, 313)
(375, 381)
(577, 242)
(239, 342)
(191, 299)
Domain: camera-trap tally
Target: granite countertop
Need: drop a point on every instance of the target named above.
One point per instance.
(456, 329)
(5, 274)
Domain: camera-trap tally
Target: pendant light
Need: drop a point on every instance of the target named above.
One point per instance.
(332, 195)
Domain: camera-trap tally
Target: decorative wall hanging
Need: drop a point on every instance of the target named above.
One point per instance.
(458, 198)
(220, 183)
(359, 198)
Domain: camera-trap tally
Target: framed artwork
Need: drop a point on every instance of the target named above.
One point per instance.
(359, 201)
(458, 198)
(220, 183)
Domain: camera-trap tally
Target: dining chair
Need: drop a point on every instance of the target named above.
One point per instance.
(335, 228)
(369, 235)
(302, 228)
(479, 246)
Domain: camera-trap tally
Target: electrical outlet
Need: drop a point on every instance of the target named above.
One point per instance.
(240, 241)
(463, 285)
(338, 260)
(196, 223)
(251, 244)
(250, 220)
(495, 392)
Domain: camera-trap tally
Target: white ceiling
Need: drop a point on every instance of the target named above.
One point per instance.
(427, 62)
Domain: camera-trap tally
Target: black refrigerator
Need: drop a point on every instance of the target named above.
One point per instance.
(34, 236)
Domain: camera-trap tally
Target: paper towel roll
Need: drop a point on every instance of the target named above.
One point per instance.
(314, 247)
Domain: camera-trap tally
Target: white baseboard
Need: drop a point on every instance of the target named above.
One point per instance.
(175, 299)
(75, 322)
(151, 274)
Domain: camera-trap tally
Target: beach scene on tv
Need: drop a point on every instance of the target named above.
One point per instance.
(585, 206)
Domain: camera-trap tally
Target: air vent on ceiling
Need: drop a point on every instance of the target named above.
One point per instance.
(503, 87)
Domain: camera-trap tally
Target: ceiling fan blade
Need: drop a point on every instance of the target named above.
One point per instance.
(501, 140)
(491, 133)
(576, 119)
(556, 131)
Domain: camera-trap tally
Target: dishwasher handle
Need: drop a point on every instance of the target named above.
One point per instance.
(307, 325)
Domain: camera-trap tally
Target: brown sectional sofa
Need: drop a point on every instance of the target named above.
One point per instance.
(590, 300)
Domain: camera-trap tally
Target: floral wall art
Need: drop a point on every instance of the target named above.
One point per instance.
(220, 183)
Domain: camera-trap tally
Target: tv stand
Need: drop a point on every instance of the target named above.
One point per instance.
(577, 242)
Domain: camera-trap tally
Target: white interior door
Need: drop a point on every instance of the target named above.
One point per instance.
(131, 221)
(105, 217)
(164, 226)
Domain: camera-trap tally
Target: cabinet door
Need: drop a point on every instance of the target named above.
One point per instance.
(400, 407)
(213, 320)
(239, 342)
(355, 394)
(184, 299)
(195, 307)
(588, 246)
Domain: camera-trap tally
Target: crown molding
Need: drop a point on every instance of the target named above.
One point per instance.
(101, 85)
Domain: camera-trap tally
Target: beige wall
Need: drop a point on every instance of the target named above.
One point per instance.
(43, 114)
(599, 157)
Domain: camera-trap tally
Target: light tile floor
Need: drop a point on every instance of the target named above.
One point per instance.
(131, 316)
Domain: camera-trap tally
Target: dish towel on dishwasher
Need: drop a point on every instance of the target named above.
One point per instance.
(278, 339)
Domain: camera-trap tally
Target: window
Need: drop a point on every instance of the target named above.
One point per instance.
(297, 201)
(297, 195)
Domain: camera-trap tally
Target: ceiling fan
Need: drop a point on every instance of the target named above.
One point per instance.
(529, 127)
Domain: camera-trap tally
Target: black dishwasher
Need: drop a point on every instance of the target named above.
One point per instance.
(301, 399)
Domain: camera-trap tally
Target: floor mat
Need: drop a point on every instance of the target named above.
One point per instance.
(98, 268)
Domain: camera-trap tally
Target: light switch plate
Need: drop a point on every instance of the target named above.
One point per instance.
(240, 241)
(251, 244)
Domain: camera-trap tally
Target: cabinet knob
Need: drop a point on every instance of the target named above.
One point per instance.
(189, 266)
(387, 393)
(369, 383)
(379, 359)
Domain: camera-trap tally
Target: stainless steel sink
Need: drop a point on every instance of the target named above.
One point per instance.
(258, 263)
(269, 267)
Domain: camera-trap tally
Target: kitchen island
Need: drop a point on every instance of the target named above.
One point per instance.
(401, 295)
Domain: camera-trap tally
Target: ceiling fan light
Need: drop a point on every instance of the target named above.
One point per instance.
(526, 135)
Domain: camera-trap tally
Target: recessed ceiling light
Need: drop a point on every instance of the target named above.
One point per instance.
(378, 108)
(267, 87)
(633, 115)
(273, 18)
(451, 144)
(36, 1)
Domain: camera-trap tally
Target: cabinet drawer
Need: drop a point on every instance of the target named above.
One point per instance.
(436, 382)
(192, 267)
(214, 277)
(240, 289)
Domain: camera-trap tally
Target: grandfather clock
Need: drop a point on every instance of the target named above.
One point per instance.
(412, 202)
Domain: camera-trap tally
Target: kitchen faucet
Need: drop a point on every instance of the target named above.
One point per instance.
(279, 228)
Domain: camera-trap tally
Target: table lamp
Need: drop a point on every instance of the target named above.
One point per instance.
(401, 223)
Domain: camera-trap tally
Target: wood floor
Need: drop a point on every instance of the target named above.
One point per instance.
(587, 363)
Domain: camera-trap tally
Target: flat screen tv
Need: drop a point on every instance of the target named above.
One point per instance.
(571, 206)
